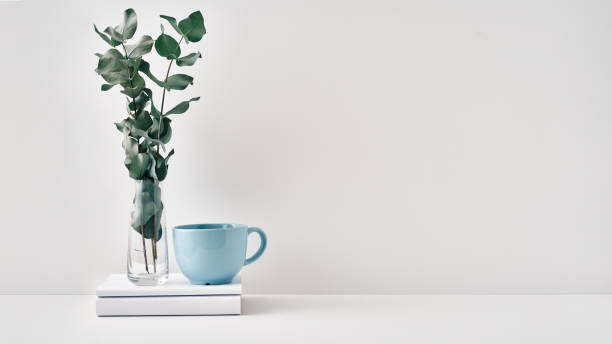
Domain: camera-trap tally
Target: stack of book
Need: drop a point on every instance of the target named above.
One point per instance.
(117, 296)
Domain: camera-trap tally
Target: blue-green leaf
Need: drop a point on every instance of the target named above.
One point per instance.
(130, 145)
(116, 35)
(132, 88)
(145, 68)
(161, 165)
(154, 112)
(181, 107)
(113, 67)
(106, 39)
(193, 26)
(139, 102)
(129, 24)
(143, 47)
(174, 25)
(166, 129)
(167, 47)
(143, 121)
(111, 61)
(174, 82)
(178, 82)
(144, 206)
(188, 60)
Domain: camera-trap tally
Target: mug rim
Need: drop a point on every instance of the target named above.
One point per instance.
(209, 226)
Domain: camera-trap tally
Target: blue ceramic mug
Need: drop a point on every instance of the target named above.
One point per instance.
(214, 253)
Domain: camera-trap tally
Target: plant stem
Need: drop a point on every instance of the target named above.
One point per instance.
(159, 128)
(164, 93)
(144, 247)
(162, 104)
(154, 246)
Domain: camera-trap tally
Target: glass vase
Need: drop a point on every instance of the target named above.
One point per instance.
(147, 261)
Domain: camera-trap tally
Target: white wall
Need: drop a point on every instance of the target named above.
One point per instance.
(384, 146)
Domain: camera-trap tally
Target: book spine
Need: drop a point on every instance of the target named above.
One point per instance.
(168, 305)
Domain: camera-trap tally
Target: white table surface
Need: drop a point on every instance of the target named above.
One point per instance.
(322, 319)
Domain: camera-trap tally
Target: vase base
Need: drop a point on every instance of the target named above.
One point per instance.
(148, 279)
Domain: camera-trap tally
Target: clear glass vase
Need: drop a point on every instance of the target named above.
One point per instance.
(147, 261)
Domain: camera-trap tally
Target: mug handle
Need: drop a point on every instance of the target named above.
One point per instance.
(262, 245)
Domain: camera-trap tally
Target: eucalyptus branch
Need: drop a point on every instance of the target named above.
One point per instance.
(144, 245)
(164, 92)
(161, 117)
(144, 162)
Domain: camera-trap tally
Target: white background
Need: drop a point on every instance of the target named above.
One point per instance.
(384, 146)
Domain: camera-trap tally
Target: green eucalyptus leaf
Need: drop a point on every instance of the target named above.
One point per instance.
(155, 191)
(137, 165)
(161, 165)
(144, 208)
(181, 107)
(152, 173)
(125, 123)
(171, 153)
(128, 108)
(111, 61)
(166, 129)
(166, 133)
(147, 206)
(116, 35)
(149, 227)
(175, 82)
(138, 133)
(145, 68)
(193, 26)
(143, 47)
(147, 139)
(139, 111)
(143, 121)
(130, 145)
(140, 101)
(178, 82)
(161, 169)
(154, 112)
(188, 60)
(113, 67)
(132, 88)
(185, 26)
(174, 25)
(129, 24)
(161, 172)
(134, 64)
(167, 47)
(115, 78)
(106, 39)
(106, 87)
(143, 147)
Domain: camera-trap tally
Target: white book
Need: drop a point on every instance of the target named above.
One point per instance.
(177, 285)
(168, 305)
(117, 296)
